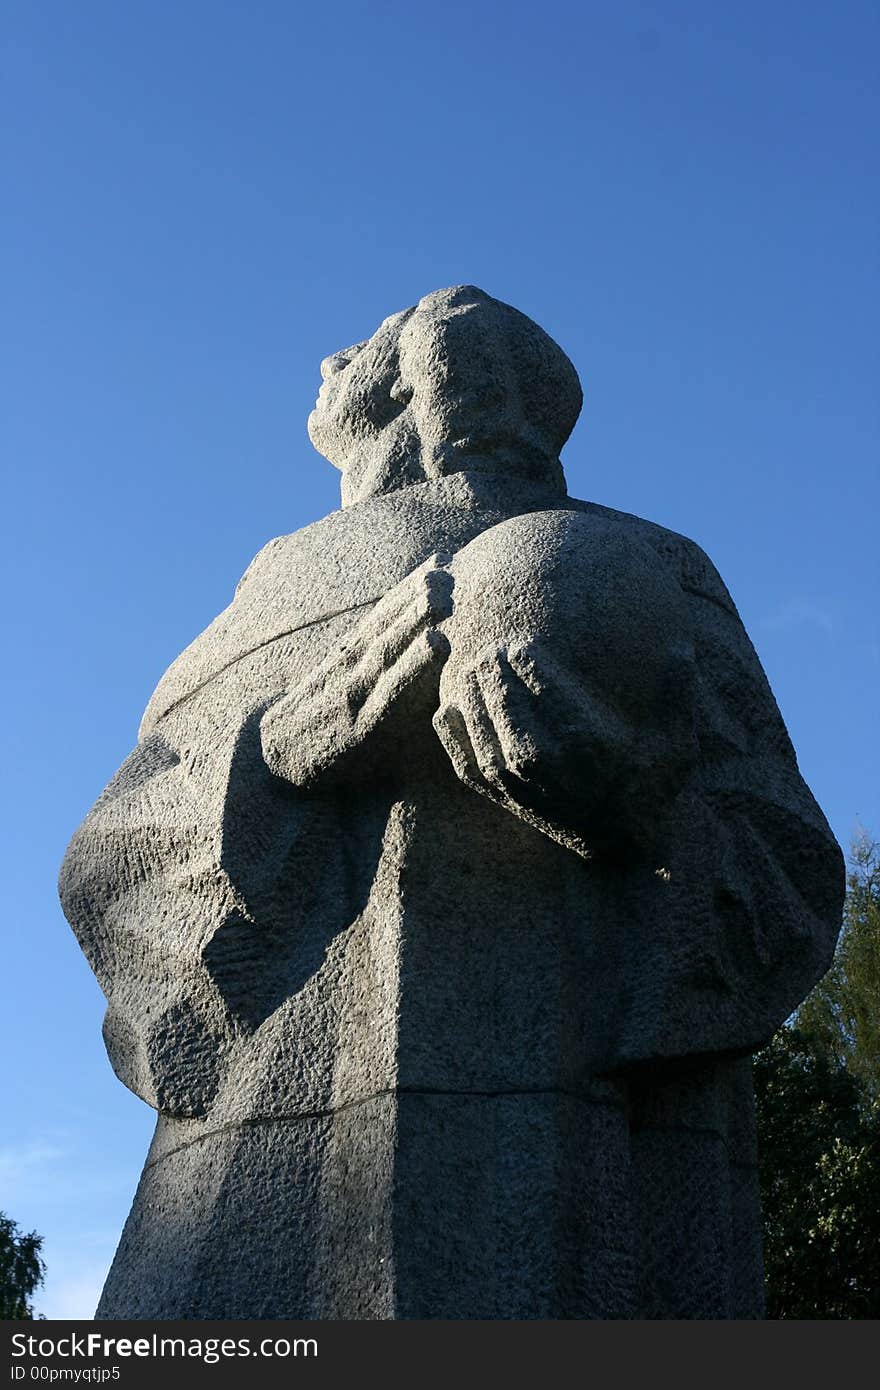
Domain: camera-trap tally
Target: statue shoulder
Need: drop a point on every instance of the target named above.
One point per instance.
(293, 581)
(695, 571)
(585, 534)
(587, 584)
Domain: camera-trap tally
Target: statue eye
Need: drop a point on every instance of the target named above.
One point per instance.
(400, 392)
(381, 410)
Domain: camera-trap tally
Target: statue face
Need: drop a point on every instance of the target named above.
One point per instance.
(360, 397)
(458, 382)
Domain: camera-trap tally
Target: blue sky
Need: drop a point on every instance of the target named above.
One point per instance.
(211, 196)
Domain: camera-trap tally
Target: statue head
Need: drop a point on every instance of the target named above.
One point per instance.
(458, 383)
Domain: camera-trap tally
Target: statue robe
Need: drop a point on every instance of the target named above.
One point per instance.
(415, 1054)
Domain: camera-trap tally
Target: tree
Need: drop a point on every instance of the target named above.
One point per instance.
(21, 1269)
(819, 1151)
(818, 1091)
(843, 1012)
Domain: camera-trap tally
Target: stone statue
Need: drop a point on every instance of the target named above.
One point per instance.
(461, 865)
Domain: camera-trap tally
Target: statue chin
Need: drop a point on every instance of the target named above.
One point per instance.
(315, 429)
(173, 1059)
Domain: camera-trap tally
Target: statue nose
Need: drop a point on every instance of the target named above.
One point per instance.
(338, 361)
(331, 365)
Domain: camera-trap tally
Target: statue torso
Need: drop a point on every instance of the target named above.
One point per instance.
(260, 907)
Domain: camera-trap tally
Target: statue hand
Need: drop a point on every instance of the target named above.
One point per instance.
(524, 731)
(387, 667)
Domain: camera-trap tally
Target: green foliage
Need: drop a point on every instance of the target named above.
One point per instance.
(818, 1091)
(819, 1145)
(843, 1012)
(21, 1269)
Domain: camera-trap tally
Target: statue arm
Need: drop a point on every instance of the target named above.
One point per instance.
(744, 921)
(757, 848)
(626, 715)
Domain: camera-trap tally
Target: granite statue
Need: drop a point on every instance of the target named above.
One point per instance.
(462, 863)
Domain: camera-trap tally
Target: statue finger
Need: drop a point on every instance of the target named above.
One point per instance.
(452, 731)
(425, 652)
(392, 644)
(516, 713)
(483, 738)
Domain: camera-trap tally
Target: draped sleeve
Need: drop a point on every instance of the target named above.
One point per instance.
(601, 686)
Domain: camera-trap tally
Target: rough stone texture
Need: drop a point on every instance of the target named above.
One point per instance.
(462, 863)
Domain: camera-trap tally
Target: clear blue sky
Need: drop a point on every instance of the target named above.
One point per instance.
(211, 196)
